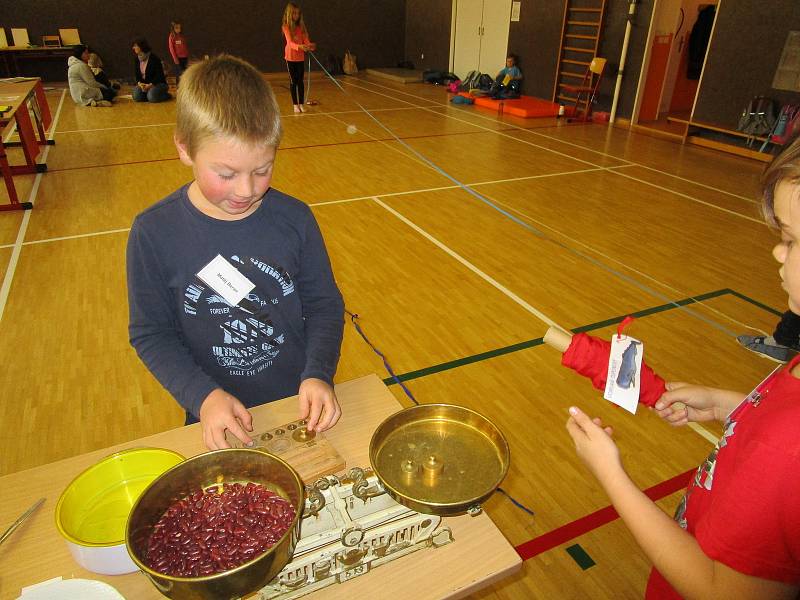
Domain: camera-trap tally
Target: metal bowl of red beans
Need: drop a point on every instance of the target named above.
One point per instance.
(219, 525)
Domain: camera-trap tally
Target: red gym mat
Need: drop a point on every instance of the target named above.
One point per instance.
(526, 107)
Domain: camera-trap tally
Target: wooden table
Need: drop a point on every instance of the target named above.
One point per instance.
(12, 56)
(24, 98)
(478, 556)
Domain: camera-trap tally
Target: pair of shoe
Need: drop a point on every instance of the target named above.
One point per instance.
(99, 103)
(298, 108)
(767, 347)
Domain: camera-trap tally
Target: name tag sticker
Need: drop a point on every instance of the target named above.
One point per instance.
(225, 279)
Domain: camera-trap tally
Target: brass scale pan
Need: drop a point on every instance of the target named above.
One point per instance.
(439, 458)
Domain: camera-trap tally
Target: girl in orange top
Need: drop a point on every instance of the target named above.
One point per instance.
(297, 43)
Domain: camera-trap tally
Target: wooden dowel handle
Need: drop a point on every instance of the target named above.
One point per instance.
(558, 339)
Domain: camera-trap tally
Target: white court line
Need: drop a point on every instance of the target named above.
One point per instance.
(703, 432)
(286, 116)
(330, 202)
(700, 430)
(26, 217)
(559, 140)
(76, 236)
(493, 282)
(692, 198)
(648, 183)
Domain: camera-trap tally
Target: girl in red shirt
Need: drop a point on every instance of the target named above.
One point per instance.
(178, 47)
(297, 43)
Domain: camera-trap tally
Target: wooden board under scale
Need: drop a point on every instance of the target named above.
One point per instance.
(312, 455)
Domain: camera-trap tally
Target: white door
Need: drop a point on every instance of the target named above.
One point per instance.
(467, 50)
(494, 35)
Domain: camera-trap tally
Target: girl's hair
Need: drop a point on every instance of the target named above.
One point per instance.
(142, 43)
(225, 97)
(784, 167)
(172, 26)
(289, 24)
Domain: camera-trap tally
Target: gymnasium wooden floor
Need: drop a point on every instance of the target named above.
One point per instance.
(598, 223)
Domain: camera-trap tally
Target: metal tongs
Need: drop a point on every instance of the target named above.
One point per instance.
(7, 533)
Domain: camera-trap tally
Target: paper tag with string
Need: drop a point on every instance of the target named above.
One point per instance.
(624, 369)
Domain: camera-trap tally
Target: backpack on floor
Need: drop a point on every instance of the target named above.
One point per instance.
(431, 76)
(469, 81)
(485, 82)
(787, 125)
(758, 117)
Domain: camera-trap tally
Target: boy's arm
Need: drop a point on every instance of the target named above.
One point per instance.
(323, 307)
(154, 329)
(673, 551)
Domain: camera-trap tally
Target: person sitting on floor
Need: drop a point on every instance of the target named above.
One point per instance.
(151, 83)
(96, 65)
(507, 83)
(83, 87)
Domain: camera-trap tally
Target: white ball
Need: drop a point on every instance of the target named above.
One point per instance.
(351, 129)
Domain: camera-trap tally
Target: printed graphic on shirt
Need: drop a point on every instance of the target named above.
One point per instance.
(249, 340)
(704, 477)
(705, 472)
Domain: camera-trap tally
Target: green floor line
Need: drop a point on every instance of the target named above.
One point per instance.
(467, 360)
(756, 303)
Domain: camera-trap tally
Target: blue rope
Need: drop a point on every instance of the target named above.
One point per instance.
(354, 319)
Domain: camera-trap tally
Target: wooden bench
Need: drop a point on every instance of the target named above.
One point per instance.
(734, 146)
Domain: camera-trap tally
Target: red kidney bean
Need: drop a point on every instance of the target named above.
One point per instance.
(217, 529)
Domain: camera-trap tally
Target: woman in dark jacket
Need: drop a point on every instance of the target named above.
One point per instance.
(151, 84)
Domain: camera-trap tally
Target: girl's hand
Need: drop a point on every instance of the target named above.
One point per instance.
(318, 404)
(594, 444)
(700, 404)
(221, 411)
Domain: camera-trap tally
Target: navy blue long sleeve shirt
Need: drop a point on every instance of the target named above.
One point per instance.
(287, 329)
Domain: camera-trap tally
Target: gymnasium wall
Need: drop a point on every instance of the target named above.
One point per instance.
(374, 31)
(536, 39)
(428, 32)
(742, 57)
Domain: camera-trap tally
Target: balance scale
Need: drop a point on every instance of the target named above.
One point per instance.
(350, 525)
(427, 461)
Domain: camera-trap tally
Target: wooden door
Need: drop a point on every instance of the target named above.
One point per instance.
(494, 35)
(467, 48)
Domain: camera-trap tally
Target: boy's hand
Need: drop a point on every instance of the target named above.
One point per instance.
(594, 444)
(221, 411)
(699, 401)
(318, 404)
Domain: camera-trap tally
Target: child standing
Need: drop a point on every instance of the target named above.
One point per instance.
(736, 533)
(215, 354)
(297, 43)
(178, 47)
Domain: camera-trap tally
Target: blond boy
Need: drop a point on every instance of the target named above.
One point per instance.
(232, 300)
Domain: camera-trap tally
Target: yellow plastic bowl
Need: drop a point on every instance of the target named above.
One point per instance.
(93, 510)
